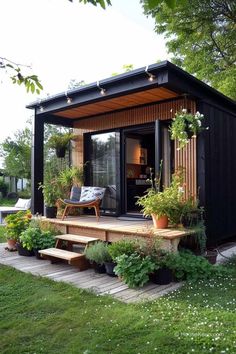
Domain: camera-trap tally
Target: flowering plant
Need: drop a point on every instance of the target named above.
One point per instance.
(185, 126)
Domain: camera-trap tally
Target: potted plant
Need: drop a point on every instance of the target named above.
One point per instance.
(163, 273)
(164, 205)
(134, 269)
(116, 249)
(15, 225)
(186, 125)
(60, 142)
(50, 192)
(97, 254)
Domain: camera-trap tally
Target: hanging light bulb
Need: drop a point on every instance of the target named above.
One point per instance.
(102, 89)
(151, 77)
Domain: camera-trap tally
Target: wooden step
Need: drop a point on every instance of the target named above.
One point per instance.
(73, 258)
(77, 238)
(74, 239)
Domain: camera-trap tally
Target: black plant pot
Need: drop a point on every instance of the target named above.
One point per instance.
(211, 256)
(51, 212)
(162, 276)
(37, 254)
(61, 152)
(98, 268)
(23, 251)
(110, 268)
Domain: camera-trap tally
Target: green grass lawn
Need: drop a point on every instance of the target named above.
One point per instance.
(41, 316)
(2, 234)
(7, 202)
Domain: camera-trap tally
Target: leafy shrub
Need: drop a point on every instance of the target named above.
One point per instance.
(187, 266)
(98, 252)
(34, 238)
(121, 247)
(17, 223)
(134, 269)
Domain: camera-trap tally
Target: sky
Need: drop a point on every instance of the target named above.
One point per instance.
(63, 41)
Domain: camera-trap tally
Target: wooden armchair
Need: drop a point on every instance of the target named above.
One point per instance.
(84, 197)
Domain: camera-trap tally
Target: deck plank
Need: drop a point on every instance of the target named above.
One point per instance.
(100, 284)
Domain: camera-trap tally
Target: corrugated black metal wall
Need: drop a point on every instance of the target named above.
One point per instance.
(217, 171)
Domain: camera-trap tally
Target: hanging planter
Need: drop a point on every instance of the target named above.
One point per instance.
(186, 126)
(60, 143)
(61, 151)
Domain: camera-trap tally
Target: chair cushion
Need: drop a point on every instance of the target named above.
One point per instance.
(23, 203)
(76, 202)
(91, 193)
(75, 193)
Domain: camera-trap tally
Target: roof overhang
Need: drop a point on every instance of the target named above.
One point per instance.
(155, 83)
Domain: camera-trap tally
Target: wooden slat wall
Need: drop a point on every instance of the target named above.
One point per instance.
(133, 116)
(185, 158)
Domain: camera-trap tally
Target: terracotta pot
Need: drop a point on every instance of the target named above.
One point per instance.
(11, 245)
(160, 222)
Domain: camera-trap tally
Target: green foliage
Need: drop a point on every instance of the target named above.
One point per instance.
(134, 269)
(16, 152)
(28, 236)
(17, 223)
(31, 82)
(8, 202)
(3, 187)
(167, 202)
(124, 246)
(38, 235)
(50, 190)
(201, 36)
(102, 3)
(187, 266)
(185, 124)
(2, 234)
(68, 177)
(34, 238)
(98, 252)
(59, 140)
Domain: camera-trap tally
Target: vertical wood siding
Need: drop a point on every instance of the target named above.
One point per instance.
(217, 172)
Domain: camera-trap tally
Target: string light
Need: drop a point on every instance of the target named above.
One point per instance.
(102, 90)
(68, 99)
(151, 77)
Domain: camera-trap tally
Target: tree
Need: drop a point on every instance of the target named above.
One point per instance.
(31, 82)
(16, 152)
(202, 38)
(102, 3)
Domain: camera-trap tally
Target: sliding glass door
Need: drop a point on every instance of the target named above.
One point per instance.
(103, 156)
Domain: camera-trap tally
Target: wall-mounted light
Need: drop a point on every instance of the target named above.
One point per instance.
(102, 90)
(41, 108)
(151, 76)
(68, 99)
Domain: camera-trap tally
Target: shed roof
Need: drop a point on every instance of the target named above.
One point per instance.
(157, 82)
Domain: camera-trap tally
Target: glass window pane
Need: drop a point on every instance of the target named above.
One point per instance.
(104, 166)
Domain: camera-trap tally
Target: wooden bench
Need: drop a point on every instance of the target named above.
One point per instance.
(74, 258)
(171, 237)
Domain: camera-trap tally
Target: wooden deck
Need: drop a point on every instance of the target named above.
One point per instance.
(112, 229)
(100, 284)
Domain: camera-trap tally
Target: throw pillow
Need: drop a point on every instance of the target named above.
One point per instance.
(91, 193)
